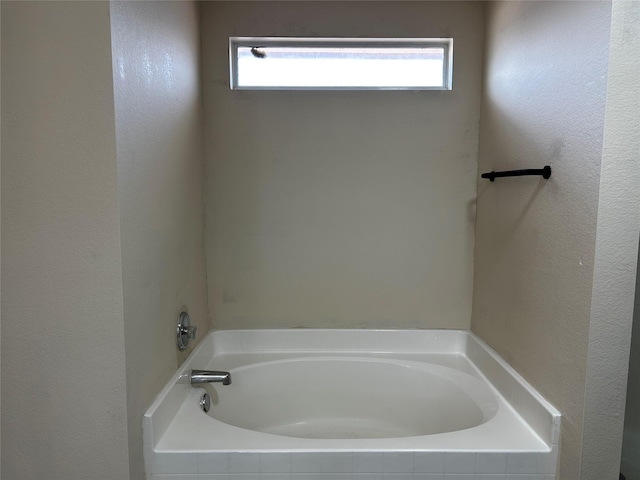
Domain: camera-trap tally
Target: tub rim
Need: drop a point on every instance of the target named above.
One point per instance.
(529, 404)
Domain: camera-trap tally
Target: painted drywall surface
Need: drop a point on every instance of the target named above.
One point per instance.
(0, 254)
(341, 209)
(630, 465)
(543, 103)
(615, 264)
(160, 192)
(63, 370)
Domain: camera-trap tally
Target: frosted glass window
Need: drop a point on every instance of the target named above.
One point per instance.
(334, 64)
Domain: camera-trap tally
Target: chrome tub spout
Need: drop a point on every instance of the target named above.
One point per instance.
(209, 376)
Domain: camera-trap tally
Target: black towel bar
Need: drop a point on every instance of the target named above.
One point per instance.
(544, 172)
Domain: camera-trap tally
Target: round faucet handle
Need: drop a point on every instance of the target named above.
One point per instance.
(185, 330)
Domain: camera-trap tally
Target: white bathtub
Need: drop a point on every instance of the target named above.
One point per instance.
(338, 404)
(353, 398)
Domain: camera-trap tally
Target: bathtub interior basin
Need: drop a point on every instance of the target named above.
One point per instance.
(352, 397)
(350, 402)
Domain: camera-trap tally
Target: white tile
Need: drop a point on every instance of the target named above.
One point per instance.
(244, 463)
(491, 476)
(464, 462)
(159, 464)
(336, 462)
(368, 462)
(244, 476)
(304, 476)
(337, 476)
(275, 462)
(428, 462)
(547, 461)
(398, 462)
(529, 476)
(181, 463)
(306, 463)
(524, 462)
(148, 455)
(214, 476)
(275, 476)
(398, 476)
(428, 476)
(491, 462)
(368, 476)
(181, 476)
(213, 462)
(459, 476)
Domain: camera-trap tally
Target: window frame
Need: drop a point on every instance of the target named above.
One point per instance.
(445, 43)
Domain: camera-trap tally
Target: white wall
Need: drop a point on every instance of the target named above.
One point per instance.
(616, 251)
(291, 180)
(158, 111)
(341, 209)
(630, 465)
(63, 371)
(0, 257)
(543, 103)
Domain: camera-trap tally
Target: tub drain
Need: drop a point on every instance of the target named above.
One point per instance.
(205, 402)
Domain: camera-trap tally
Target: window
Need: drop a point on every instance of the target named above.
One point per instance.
(340, 63)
